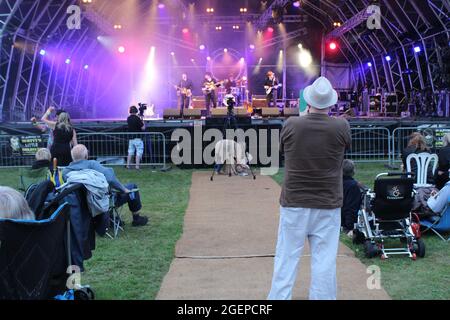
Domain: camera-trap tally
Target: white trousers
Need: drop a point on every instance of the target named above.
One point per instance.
(321, 227)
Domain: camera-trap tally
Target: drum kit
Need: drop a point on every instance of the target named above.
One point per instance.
(237, 93)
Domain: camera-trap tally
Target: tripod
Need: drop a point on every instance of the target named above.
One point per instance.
(230, 123)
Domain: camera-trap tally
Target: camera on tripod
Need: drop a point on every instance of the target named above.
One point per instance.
(142, 108)
(230, 102)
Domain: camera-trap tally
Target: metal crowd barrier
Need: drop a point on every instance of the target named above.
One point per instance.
(107, 148)
(112, 148)
(401, 136)
(370, 145)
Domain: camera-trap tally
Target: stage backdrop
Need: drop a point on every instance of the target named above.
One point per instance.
(339, 74)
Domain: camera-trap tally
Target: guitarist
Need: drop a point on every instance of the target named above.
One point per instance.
(185, 88)
(209, 89)
(271, 82)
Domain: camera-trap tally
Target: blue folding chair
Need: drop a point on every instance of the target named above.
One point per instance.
(439, 225)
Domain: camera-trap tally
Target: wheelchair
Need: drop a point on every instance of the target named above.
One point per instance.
(386, 214)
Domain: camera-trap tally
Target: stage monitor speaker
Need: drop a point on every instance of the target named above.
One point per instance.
(241, 112)
(259, 101)
(291, 112)
(171, 113)
(219, 112)
(270, 112)
(198, 102)
(193, 113)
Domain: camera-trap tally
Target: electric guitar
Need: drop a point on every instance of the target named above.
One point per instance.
(210, 87)
(185, 91)
(269, 89)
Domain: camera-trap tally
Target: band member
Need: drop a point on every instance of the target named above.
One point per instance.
(209, 89)
(230, 83)
(271, 89)
(185, 88)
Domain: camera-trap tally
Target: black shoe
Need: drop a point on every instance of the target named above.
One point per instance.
(139, 221)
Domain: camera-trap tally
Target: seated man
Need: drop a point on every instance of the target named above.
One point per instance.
(13, 205)
(125, 195)
(438, 201)
(43, 159)
(352, 197)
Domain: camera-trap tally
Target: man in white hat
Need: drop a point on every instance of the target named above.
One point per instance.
(311, 196)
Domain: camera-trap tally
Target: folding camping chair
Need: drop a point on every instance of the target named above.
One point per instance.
(438, 225)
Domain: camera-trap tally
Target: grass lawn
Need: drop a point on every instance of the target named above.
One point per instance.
(133, 265)
(427, 278)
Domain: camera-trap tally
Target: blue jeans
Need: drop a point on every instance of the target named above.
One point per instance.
(133, 199)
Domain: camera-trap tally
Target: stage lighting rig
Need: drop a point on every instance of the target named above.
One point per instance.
(277, 14)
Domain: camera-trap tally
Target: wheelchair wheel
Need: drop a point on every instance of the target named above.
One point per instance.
(370, 249)
(84, 293)
(419, 248)
(358, 237)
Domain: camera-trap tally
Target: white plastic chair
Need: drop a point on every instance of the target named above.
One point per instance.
(423, 160)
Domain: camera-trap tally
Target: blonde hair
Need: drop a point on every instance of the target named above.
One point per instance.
(446, 139)
(13, 205)
(43, 154)
(417, 140)
(63, 121)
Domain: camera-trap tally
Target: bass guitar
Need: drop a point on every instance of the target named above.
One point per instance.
(210, 87)
(185, 91)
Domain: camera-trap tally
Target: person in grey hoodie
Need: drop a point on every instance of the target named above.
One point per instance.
(125, 193)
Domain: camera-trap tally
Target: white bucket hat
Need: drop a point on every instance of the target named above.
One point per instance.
(320, 94)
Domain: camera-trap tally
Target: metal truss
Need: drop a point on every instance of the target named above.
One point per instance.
(29, 81)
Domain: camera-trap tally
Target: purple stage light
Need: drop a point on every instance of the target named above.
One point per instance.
(67, 61)
(296, 4)
(252, 47)
(202, 47)
(86, 66)
(388, 58)
(369, 64)
(121, 49)
(161, 6)
(42, 52)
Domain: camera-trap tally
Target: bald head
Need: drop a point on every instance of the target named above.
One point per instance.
(79, 152)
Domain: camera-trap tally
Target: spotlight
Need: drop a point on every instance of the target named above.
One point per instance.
(161, 6)
(270, 29)
(67, 61)
(252, 47)
(202, 47)
(172, 53)
(242, 60)
(225, 50)
(192, 60)
(243, 10)
(121, 49)
(300, 46)
(185, 30)
(86, 66)
(117, 26)
(208, 58)
(87, 1)
(296, 4)
(218, 28)
(210, 10)
(369, 64)
(417, 49)
(260, 60)
(244, 78)
(333, 45)
(42, 52)
(388, 58)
